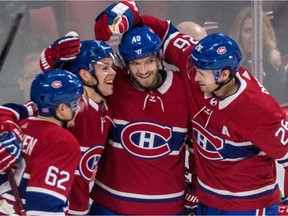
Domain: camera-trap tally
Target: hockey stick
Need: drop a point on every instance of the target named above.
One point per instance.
(10, 38)
(19, 204)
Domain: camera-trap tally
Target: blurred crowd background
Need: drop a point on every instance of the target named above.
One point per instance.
(45, 21)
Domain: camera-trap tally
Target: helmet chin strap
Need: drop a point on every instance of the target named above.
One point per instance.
(64, 123)
(95, 87)
(221, 84)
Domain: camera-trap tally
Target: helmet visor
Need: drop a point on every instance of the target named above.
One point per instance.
(116, 59)
(80, 104)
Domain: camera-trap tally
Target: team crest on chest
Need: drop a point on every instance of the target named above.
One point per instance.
(208, 145)
(89, 161)
(146, 139)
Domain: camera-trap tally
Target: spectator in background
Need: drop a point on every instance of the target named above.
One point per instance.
(193, 29)
(274, 78)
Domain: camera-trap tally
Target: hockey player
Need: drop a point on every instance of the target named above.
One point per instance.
(141, 171)
(162, 146)
(239, 130)
(94, 65)
(145, 155)
(50, 152)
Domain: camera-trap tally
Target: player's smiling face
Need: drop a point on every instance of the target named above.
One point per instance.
(106, 75)
(145, 71)
(206, 80)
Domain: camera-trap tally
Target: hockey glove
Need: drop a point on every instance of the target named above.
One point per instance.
(191, 200)
(10, 126)
(283, 206)
(10, 145)
(116, 20)
(21, 111)
(62, 50)
(31, 108)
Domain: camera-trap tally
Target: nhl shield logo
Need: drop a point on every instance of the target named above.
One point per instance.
(213, 101)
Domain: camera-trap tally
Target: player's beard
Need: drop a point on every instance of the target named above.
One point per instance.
(148, 84)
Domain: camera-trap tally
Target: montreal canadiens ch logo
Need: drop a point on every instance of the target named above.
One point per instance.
(89, 161)
(56, 84)
(221, 50)
(146, 140)
(208, 145)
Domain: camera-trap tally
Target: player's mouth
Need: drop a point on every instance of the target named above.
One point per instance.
(109, 81)
(144, 76)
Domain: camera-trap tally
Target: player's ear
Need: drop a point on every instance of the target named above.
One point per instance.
(60, 109)
(225, 74)
(84, 75)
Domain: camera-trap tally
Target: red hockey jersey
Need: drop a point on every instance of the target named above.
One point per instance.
(91, 130)
(142, 168)
(46, 172)
(236, 139)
